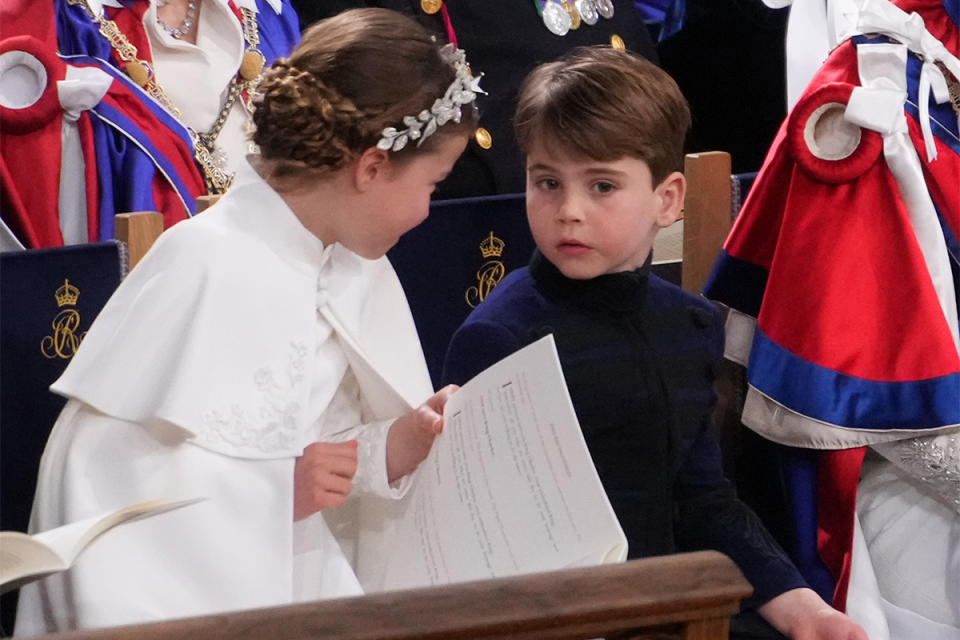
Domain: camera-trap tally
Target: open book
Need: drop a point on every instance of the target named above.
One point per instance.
(26, 557)
(508, 488)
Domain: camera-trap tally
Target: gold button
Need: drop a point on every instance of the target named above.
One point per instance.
(617, 42)
(483, 138)
(431, 6)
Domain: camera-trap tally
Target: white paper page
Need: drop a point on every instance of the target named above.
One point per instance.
(69, 540)
(21, 556)
(509, 487)
(24, 556)
(66, 539)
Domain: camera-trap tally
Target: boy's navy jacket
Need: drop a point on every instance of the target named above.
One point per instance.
(638, 355)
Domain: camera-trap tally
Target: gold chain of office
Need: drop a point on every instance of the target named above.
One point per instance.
(215, 176)
(953, 86)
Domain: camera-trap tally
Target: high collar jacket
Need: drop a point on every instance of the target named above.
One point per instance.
(638, 355)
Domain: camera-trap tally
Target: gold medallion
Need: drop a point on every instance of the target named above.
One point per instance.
(483, 138)
(617, 42)
(139, 72)
(573, 13)
(252, 64)
(431, 6)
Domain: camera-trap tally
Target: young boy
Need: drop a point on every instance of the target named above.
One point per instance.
(603, 133)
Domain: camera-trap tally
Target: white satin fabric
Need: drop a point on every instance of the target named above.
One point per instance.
(885, 18)
(905, 572)
(80, 90)
(814, 28)
(237, 341)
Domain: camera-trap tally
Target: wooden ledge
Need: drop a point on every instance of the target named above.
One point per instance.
(689, 596)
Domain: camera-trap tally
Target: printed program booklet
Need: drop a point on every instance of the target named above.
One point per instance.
(508, 488)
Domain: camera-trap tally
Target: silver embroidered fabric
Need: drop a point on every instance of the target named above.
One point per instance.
(933, 459)
(274, 428)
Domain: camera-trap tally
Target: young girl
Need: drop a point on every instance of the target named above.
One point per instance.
(263, 355)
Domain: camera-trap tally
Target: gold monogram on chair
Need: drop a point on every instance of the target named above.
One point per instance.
(65, 339)
(491, 273)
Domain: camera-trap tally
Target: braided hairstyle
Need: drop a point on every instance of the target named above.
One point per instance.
(351, 76)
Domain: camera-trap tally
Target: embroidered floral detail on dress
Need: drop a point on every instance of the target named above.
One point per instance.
(273, 427)
(933, 459)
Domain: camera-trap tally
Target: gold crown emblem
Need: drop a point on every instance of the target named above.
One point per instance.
(67, 294)
(492, 246)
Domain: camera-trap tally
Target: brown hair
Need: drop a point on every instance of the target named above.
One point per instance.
(604, 104)
(351, 76)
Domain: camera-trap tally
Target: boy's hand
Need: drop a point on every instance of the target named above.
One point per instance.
(323, 477)
(801, 614)
(828, 624)
(412, 435)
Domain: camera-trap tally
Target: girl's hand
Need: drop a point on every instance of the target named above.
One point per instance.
(412, 435)
(323, 477)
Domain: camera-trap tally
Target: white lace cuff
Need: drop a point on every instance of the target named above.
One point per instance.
(371, 477)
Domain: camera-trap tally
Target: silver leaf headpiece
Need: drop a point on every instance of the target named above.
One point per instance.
(462, 90)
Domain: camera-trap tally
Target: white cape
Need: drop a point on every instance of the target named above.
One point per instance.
(195, 380)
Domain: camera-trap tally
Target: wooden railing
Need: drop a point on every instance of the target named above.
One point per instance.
(685, 596)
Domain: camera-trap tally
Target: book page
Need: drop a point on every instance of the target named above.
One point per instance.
(509, 486)
(21, 555)
(70, 540)
(24, 555)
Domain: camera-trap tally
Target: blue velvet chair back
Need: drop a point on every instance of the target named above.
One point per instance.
(449, 263)
(48, 299)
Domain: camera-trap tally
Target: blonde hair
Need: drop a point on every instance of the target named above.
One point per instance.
(605, 104)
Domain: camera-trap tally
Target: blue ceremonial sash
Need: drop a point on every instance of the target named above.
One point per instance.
(128, 157)
(279, 34)
(130, 148)
(953, 10)
(77, 34)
